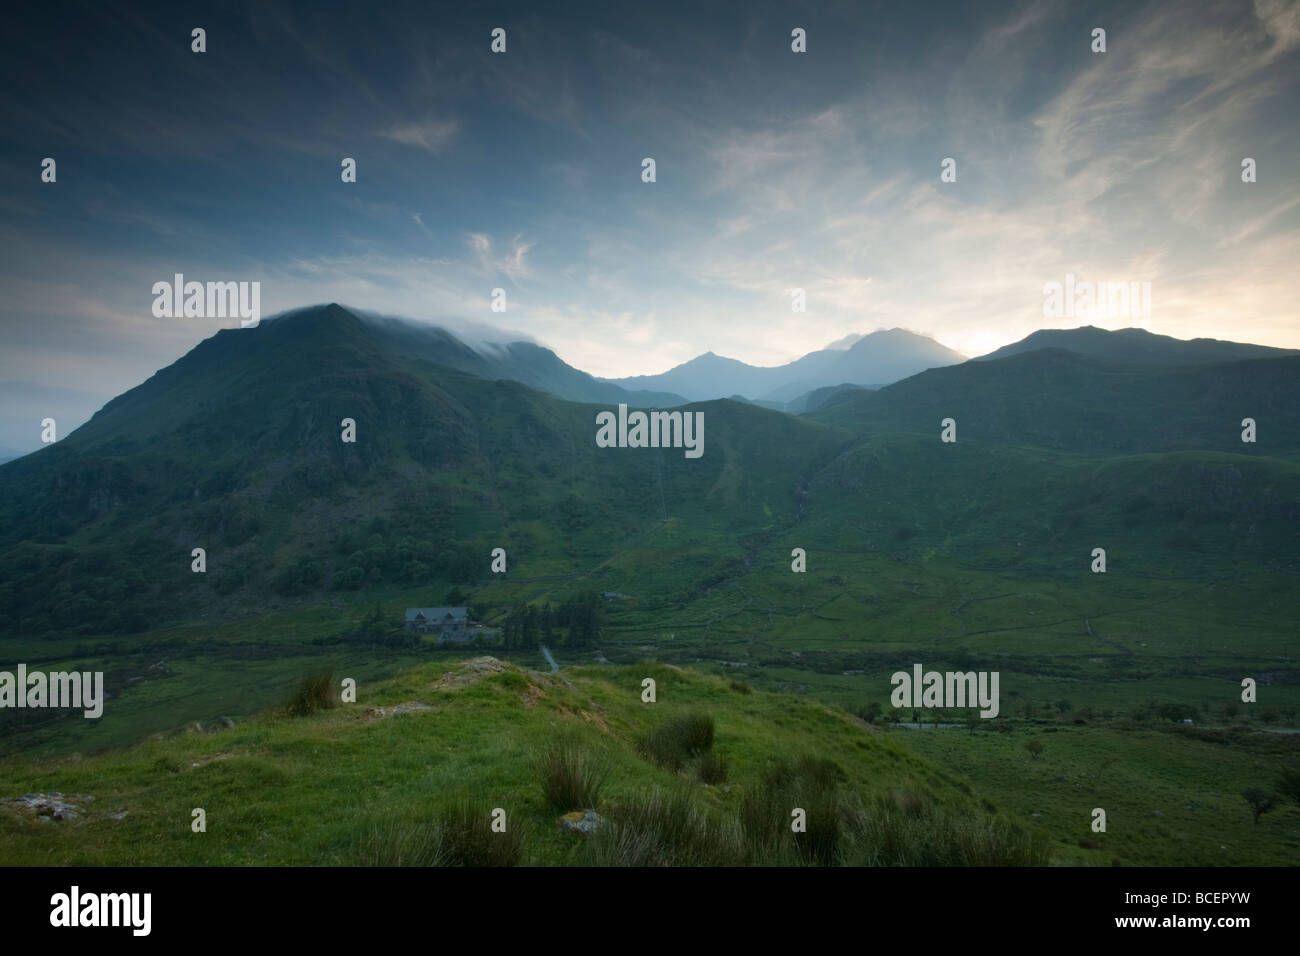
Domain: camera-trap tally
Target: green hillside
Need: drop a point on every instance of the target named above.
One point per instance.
(974, 555)
(236, 449)
(1064, 400)
(363, 784)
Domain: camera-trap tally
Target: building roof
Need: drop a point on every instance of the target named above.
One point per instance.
(436, 613)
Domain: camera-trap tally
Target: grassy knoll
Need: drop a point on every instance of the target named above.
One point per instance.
(347, 785)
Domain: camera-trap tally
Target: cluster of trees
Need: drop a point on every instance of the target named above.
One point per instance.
(96, 590)
(379, 629)
(577, 622)
(375, 556)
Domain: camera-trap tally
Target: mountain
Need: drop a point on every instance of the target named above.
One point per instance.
(847, 341)
(1063, 400)
(820, 396)
(236, 448)
(881, 357)
(1136, 347)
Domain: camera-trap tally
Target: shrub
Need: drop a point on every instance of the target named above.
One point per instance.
(740, 687)
(315, 692)
(571, 777)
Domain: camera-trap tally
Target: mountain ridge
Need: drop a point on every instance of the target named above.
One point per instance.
(1134, 346)
(886, 355)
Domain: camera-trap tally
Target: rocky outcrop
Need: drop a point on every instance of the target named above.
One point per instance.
(46, 807)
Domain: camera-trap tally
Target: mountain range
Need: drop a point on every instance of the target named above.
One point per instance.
(880, 358)
(236, 447)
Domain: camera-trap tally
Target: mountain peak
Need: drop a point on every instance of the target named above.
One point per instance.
(878, 358)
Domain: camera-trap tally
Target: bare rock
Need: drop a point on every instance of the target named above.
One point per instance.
(45, 807)
(406, 708)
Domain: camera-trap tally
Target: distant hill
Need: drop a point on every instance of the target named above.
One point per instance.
(1063, 400)
(881, 357)
(820, 396)
(1136, 347)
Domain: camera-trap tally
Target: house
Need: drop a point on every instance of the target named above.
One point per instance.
(614, 595)
(449, 623)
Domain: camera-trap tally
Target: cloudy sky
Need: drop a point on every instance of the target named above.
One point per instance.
(522, 170)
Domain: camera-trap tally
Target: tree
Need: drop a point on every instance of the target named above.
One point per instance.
(1035, 748)
(1260, 801)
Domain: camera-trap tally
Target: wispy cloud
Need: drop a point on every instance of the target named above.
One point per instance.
(510, 263)
(433, 135)
(775, 170)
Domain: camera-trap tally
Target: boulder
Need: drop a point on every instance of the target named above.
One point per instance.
(581, 821)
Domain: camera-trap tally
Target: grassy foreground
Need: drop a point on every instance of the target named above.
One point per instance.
(357, 784)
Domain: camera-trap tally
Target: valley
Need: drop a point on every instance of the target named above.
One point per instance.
(1119, 690)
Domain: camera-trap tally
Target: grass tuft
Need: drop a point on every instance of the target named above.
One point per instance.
(679, 740)
(396, 842)
(572, 777)
(469, 840)
(713, 769)
(314, 692)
